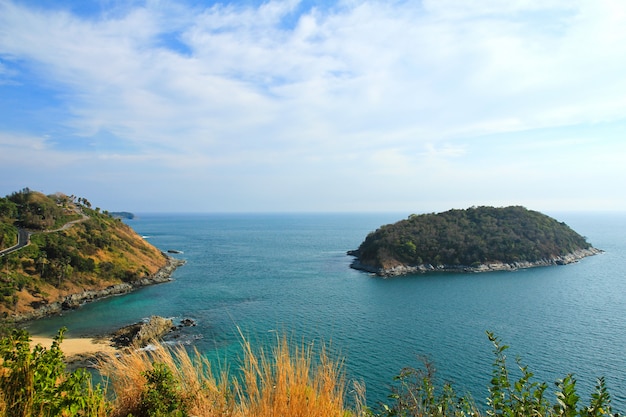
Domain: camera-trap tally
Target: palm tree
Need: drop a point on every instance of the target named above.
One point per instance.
(42, 260)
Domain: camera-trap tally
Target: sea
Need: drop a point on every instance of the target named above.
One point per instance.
(264, 276)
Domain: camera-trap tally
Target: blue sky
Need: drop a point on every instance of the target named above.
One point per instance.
(252, 106)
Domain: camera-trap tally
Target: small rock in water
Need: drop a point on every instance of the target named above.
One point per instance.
(187, 322)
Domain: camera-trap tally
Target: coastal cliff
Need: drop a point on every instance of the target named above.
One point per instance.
(479, 239)
(75, 300)
(57, 253)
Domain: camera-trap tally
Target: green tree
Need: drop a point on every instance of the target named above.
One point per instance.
(35, 383)
(8, 209)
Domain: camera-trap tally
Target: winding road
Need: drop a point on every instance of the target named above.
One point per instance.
(23, 237)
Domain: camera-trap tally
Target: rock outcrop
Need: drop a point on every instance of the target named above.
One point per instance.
(488, 267)
(141, 334)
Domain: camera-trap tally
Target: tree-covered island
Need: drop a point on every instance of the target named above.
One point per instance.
(476, 239)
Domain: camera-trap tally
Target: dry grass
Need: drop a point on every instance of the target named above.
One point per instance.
(289, 382)
(204, 394)
(284, 382)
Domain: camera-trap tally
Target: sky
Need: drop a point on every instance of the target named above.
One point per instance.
(305, 106)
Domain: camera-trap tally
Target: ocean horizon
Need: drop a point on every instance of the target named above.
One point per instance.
(289, 273)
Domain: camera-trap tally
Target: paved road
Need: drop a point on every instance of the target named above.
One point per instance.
(70, 224)
(23, 239)
(24, 235)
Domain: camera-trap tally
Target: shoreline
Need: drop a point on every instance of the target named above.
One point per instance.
(78, 350)
(401, 270)
(74, 301)
(86, 351)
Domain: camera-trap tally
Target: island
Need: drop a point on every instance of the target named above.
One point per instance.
(57, 252)
(122, 215)
(477, 239)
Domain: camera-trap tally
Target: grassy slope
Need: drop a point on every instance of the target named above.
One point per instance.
(94, 253)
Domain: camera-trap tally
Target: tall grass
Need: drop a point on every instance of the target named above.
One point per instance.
(191, 378)
(289, 382)
(284, 382)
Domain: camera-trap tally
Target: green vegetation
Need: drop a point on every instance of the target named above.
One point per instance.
(72, 248)
(8, 235)
(35, 211)
(416, 395)
(287, 382)
(468, 238)
(34, 382)
(8, 216)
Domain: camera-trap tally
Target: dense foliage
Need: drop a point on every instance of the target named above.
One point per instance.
(72, 247)
(36, 211)
(291, 381)
(34, 382)
(469, 237)
(8, 235)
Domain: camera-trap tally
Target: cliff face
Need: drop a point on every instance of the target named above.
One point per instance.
(74, 300)
(478, 239)
(75, 254)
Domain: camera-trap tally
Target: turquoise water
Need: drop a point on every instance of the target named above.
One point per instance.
(290, 274)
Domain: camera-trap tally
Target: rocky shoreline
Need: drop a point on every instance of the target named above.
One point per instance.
(74, 301)
(489, 267)
(134, 336)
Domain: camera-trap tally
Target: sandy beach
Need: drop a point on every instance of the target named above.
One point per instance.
(76, 346)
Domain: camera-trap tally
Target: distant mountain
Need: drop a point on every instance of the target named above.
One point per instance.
(75, 254)
(474, 240)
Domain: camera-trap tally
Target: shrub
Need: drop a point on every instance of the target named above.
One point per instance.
(418, 395)
(34, 382)
(162, 396)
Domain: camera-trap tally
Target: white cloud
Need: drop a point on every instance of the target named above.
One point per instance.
(410, 85)
(26, 143)
(372, 65)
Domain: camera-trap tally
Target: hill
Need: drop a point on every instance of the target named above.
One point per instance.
(74, 254)
(474, 240)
